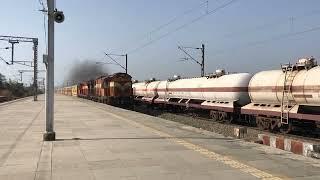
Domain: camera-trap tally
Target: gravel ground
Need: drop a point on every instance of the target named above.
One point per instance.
(225, 129)
(204, 122)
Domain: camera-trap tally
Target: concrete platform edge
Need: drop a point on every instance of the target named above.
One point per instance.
(295, 146)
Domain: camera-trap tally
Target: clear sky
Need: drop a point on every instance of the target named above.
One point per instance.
(247, 36)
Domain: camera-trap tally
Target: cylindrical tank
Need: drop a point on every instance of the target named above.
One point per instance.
(231, 87)
(151, 89)
(185, 88)
(267, 86)
(162, 89)
(139, 89)
(306, 87)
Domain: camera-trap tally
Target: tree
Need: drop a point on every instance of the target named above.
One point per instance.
(2, 81)
(13, 89)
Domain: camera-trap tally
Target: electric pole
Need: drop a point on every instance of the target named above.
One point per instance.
(126, 63)
(50, 135)
(12, 42)
(202, 63)
(35, 69)
(53, 16)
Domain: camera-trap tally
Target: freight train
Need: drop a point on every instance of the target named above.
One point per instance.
(115, 89)
(277, 100)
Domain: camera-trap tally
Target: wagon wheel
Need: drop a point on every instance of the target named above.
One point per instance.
(258, 121)
(221, 116)
(262, 125)
(252, 121)
(195, 115)
(215, 116)
(274, 125)
(230, 118)
(286, 128)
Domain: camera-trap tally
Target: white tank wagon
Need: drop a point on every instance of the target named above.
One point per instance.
(139, 90)
(162, 91)
(151, 91)
(281, 97)
(146, 91)
(222, 94)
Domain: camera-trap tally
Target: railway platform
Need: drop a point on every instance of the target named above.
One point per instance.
(97, 141)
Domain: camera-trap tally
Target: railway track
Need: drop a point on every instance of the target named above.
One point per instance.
(202, 121)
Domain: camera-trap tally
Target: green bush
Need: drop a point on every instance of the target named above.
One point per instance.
(16, 89)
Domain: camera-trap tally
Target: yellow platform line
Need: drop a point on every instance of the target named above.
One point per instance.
(210, 154)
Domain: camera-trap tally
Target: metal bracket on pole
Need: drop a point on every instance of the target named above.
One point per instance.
(23, 71)
(45, 60)
(116, 63)
(190, 57)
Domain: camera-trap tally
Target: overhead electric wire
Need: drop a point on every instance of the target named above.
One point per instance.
(41, 3)
(44, 11)
(275, 38)
(114, 61)
(190, 57)
(45, 32)
(20, 63)
(8, 74)
(271, 24)
(182, 26)
(3, 60)
(176, 18)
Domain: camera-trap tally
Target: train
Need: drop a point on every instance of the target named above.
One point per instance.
(115, 89)
(275, 100)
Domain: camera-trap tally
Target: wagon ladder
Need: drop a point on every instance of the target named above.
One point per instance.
(285, 100)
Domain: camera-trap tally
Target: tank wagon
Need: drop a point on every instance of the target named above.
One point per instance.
(115, 89)
(286, 97)
(277, 100)
(139, 89)
(220, 93)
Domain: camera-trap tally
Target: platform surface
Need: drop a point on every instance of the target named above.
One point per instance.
(97, 141)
